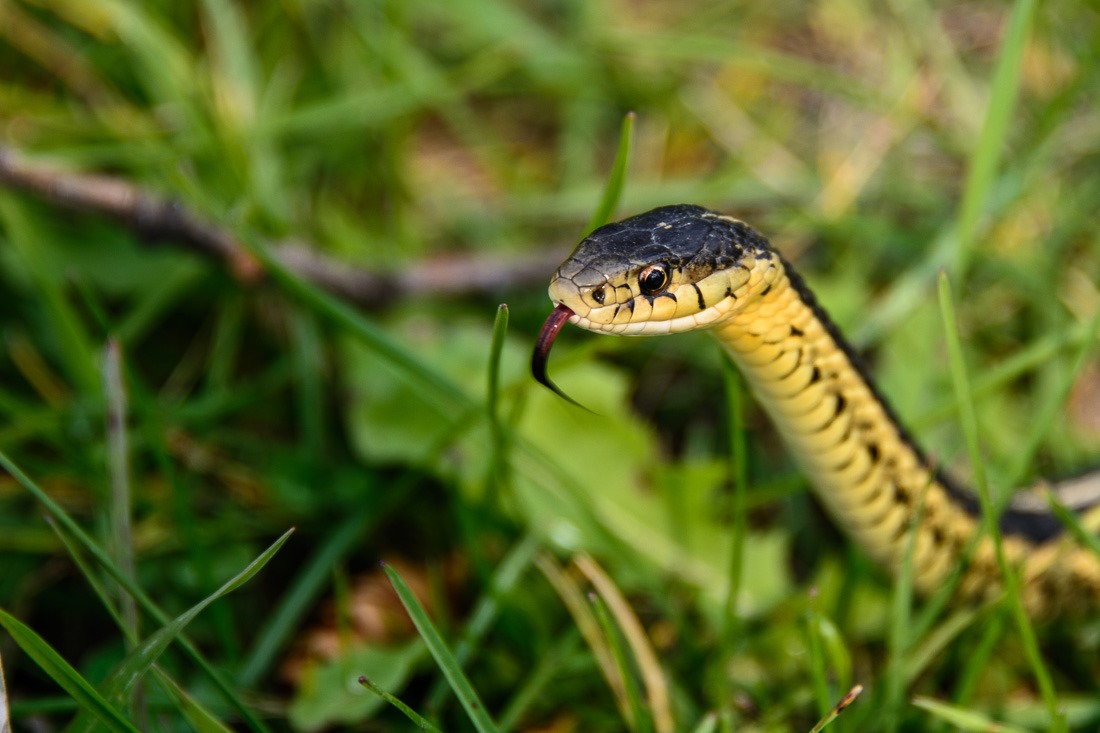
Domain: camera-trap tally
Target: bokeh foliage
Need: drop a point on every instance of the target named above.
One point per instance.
(876, 144)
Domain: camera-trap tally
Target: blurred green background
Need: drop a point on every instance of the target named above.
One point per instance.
(875, 143)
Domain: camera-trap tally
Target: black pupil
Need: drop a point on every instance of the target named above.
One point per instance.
(653, 280)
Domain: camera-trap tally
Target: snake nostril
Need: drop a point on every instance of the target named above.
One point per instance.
(599, 294)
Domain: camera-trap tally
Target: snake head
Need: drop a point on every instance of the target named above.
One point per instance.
(672, 269)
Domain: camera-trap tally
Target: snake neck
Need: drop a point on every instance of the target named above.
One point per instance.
(865, 468)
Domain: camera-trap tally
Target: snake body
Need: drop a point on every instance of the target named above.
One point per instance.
(679, 268)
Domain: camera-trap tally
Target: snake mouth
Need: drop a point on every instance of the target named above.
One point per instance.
(541, 354)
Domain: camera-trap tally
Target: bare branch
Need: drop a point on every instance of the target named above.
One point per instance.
(153, 218)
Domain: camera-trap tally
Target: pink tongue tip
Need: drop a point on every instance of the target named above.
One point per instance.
(541, 354)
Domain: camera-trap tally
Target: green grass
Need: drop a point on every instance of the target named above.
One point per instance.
(876, 145)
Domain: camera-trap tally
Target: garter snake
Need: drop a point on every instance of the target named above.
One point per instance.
(680, 268)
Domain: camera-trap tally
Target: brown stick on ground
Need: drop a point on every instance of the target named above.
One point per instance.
(154, 218)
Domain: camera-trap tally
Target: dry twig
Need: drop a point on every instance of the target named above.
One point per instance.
(154, 218)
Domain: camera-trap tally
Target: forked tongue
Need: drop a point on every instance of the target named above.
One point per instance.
(549, 332)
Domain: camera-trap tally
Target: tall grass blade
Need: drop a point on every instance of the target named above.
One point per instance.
(819, 676)
(118, 465)
(899, 638)
(417, 719)
(614, 188)
(498, 463)
(534, 687)
(1072, 523)
(739, 480)
(656, 686)
(639, 720)
(440, 387)
(131, 587)
(75, 344)
(991, 141)
(968, 419)
(586, 622)
(507, 574)
(200, 719)
(465, 692)
(962, 719)
(285, 617)
(5, 711)
(64, 675)
(137, 663)
(1045, 417)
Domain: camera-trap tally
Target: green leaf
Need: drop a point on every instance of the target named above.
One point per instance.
(64, 675)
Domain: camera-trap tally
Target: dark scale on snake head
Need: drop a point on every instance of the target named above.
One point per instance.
(684, 237)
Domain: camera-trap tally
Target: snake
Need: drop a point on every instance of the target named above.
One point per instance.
(683, 267)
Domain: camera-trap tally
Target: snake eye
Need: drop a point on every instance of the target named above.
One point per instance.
(653, 279)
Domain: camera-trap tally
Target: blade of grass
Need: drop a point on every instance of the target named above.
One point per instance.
(932, 646)
(548, 665)
(118, 466)
(5, 712)
(418, 720)
(963, 719)
(656, 686)
(443, 389)
(465, 692)
(991, 380)
(969, 421)
(75, 344)
(819, 677)
(991, 141)
(132, 588)
(498, 462)
(200, 719)
(739, 481)
(310, 581)
(93, 579)
(309, 368)
(64, 675)
(899, 637)
(140, 660)
(639, 720)
(571, 595)
(1072, 523)
(977, 660)
(137, 662)
(1046, 415)
(614, 188)
(507, 574)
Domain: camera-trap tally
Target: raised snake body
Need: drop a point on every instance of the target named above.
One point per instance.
(679, 268)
